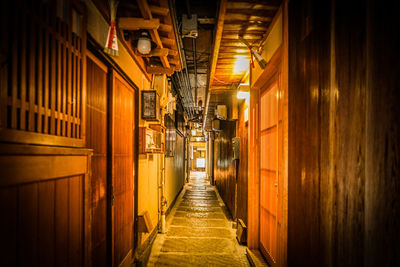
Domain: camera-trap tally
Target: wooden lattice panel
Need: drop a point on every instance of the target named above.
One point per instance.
(43, 84)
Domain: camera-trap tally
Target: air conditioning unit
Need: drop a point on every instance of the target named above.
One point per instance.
(189, 26)
(221, 112)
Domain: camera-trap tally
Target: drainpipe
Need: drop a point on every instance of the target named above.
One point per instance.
(163, 198)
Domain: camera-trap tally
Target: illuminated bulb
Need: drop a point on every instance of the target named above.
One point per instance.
(241, 64)
(144, 43)
(243, 95)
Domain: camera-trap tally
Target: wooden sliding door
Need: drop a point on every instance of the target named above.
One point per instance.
(269, 174)
(123, 128)
(96, 131)
(110, 133)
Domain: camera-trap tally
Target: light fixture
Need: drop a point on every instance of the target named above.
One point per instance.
(243, 95)
(144, 43)
(261, 62)
(243, 92)
(241, 64)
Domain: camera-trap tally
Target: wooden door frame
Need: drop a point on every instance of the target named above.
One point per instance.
(266, 79)
(115, 74)
(272, 81)
(95, 51)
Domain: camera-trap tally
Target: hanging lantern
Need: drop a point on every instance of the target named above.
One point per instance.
(111, 46)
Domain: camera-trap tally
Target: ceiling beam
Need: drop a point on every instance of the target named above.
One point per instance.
(217, 42)
(157, 69)
(146, 13)
(157, 10)
(165, 28)
(134, 24)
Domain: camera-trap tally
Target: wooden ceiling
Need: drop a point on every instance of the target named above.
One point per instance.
(153, 16)
(249, 19)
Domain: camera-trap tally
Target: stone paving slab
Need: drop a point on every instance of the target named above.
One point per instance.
(210, 203)
(198, 232)
(200, 209)
(198, 245)
(203, 215)
(203, 194)
(190, 222)
(199, 260)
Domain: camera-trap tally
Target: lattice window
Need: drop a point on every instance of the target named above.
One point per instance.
(44, 76)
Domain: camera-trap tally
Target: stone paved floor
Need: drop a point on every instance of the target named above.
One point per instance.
(199, 232)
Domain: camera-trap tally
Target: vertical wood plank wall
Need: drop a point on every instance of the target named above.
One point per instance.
(97, 133)
(44, 221)
(242, 180)
(224, 167)
(344, 186)
(44, 186)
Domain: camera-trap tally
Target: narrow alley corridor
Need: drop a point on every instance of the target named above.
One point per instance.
(141, 133)
(199, 231)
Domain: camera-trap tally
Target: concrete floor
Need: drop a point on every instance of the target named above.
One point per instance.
(199, 232)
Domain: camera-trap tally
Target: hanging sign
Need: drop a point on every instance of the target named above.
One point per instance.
(111, 46)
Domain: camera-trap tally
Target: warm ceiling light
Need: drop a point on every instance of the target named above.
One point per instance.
(243, 95)
(144, 43)
(241, 64)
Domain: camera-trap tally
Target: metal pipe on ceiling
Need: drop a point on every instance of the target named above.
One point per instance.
(185, 82)
(195, 71)
(189, 14)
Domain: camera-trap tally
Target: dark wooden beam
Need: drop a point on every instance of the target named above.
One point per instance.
(217, 42)
(134, 24)
(157, 10)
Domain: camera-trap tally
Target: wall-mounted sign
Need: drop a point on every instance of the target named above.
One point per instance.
(149, 105)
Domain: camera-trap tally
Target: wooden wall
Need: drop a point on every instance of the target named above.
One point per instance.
(343, 134)
(44, 216)
(45, 181)
(224, 166)
(242, 181)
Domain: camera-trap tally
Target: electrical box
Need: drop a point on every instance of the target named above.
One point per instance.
(216, 125)
(150, 141)
(236, 147)
(189, 26)
(221, 112)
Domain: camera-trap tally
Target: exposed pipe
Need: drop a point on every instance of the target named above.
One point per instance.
(189, 14)
(195, 72)
(182, 57)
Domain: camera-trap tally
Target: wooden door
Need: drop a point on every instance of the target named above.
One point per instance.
(123, 127)
(269, 183)
(96, 134)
